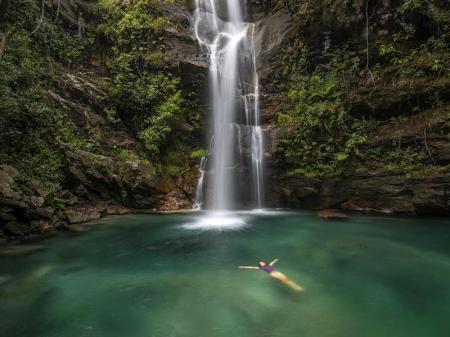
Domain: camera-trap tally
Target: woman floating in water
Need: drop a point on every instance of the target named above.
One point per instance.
(268, 268)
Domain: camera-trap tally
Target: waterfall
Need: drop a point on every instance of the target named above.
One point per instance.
(234, 102)
(199, 191)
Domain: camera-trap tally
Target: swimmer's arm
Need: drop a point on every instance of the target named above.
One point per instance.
(248, 267)
(273, 262)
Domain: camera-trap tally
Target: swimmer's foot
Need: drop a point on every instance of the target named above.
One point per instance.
(294, 286)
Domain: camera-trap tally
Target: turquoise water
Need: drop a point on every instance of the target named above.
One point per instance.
(146, 276)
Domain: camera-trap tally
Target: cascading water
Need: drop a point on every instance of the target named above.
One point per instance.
(234, 101)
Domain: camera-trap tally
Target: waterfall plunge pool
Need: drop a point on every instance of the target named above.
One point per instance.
(162, 276)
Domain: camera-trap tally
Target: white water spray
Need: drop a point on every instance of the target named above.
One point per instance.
(234, 101)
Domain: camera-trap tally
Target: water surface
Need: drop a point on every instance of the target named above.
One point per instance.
(150, 276)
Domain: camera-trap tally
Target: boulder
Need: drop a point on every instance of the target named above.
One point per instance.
(128, 181)
(45, 212)
(41, 226)
(8, 188)
(117, 210)
(175, 200)
(36, 201)
(68, 197)
(82, 88)
(17, 205)
(81, 214)
(7, 214)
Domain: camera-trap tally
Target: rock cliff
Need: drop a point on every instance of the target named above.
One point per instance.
(355, 108)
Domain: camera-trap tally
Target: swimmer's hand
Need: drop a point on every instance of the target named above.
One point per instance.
(273, 262)
(247, 267)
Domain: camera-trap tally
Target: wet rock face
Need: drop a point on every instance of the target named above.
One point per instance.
(21, 212)
(375, 192)
(130, 181)
(33, 212)
(183, 51)
(271, 33)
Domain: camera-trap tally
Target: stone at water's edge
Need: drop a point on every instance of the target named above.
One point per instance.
(330, 214)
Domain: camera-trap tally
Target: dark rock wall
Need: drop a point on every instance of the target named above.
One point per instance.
(360, 186)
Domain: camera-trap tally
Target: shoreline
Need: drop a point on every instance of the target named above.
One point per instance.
(8, 243)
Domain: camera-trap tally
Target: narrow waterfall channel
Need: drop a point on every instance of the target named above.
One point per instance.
(233, 168)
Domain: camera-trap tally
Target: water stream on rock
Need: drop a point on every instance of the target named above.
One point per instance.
(236, 152)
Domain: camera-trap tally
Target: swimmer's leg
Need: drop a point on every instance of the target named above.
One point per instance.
(284, 279)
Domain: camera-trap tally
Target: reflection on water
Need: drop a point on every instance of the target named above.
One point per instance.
(150, 276)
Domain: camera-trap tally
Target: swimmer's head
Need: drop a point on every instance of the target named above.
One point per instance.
(261, 263)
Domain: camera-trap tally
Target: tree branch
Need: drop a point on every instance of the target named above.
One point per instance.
(3, 8)
(57, 11)
(41, 19)
(5, 41)
(367, 43)
(426, 144)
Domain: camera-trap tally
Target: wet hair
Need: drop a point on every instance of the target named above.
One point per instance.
(261, 263)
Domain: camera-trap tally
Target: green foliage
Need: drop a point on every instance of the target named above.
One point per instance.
(23, 14)
(159, 126)
(126, 154)
(23, 114)
(322, 136)
(428, 59)
(31, 128)
(197, 154)
(64, 47)
(341, 156)
(137, 91)
(387, 49)
(141, 25)
(58, 202)
(411, 5)
(335, 105)
(173, 169)
(111, 115)
(143, 93)
(408, 160)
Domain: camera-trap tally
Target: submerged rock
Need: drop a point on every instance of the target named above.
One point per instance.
(39, 272)
(77, 228)
(20, 249)
(4, 279)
